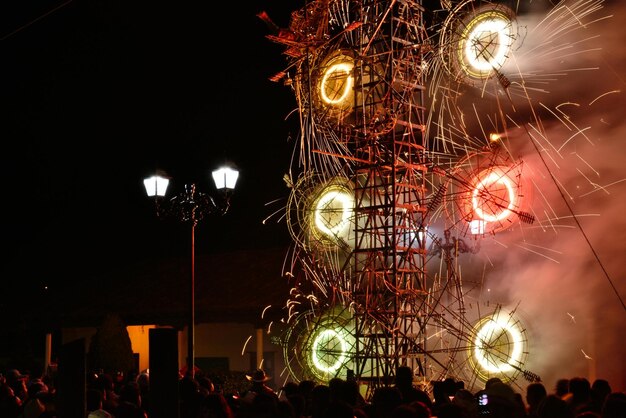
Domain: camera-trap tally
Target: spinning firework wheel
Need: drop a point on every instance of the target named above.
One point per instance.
(320, 213)
(476, 39)
(359, 213)
(486, 342)
(499, 347)
(487, 194)
(319, 346)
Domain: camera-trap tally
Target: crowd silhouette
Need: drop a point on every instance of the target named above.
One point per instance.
(33, 395)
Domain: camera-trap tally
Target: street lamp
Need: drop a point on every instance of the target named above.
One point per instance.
(192, 206)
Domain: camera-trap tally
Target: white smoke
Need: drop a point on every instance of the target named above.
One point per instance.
(565, 273)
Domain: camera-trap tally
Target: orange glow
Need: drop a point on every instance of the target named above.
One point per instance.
(493, 196)
(139, 341)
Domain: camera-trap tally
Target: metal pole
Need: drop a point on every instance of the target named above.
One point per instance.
(190, 208)
(259, 348)
(48, 355)
(192, 307)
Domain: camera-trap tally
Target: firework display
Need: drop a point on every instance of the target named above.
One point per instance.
(416, 122)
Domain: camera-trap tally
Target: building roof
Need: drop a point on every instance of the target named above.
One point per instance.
(234, 286)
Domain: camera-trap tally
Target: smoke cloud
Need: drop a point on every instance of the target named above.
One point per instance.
(564, 274)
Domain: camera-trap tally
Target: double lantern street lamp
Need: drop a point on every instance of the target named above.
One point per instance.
(192, 206)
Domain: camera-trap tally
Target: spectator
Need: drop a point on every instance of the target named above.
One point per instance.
(600, 389)
(440, 395)
(305, 387)
(10, 405)
(33, 407)
(347, 391)
(580, 399)
(561, 389)
(588, 414)
(338, 409)
(553, 406)
(503, 401)
(614, 406)
(320, 399)
(36, 375)
(259, 384)
(415, 409)
(467, 401)
(290, 388)
(260, 400)
(214, 405)
(104, 383)
(535, 393)
(189, 396)
(17, 382)
(404, 383)
(48, 400)
(143, 381)
(205, 385)
(94, 401)
(298, 403)
(129, 405)
(384, 401)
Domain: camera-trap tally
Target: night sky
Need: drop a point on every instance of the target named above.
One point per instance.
(98, 94)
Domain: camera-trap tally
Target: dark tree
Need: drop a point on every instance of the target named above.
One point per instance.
(110, 349)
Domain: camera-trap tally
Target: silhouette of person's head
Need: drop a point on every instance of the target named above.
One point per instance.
(491, 381)
(614, 405)
(535, 392)
(580, 388)
(404, 376)
(258, 377)
(600, 389)
(552, 406)
(562, 387)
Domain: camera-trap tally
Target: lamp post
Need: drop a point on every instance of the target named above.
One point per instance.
(192, 206)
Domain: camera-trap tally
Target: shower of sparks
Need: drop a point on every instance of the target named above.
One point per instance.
(604, 95)
(467, 115)
(243, 350)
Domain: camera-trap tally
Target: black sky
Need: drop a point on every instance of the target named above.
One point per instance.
(98, 94)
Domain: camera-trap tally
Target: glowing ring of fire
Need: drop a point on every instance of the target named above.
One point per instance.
(476, 42)
(346, 80)
(318, 351)
(485, 42)
(333, 210)
(320, 345)
(335, 84)
(482, 186)
(489, 327)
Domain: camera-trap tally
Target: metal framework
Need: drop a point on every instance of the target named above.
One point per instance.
(381, 156)
(389, 254)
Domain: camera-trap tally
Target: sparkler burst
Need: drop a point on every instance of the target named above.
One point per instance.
(433, 162)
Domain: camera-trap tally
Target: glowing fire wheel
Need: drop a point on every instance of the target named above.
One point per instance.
(333, 210)
(499, 347)
(320, 346)
(335, 84)
(476, 40)
(493, 197)
(320, 213)
(487, 194)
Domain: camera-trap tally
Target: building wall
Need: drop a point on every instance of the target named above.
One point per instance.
(139, 340)
(236, 342)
